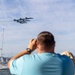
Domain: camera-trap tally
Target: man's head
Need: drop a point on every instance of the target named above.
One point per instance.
(45, 39)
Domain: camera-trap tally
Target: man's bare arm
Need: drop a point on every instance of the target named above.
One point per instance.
(31, 46)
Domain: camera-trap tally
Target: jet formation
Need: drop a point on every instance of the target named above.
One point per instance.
(23, 20)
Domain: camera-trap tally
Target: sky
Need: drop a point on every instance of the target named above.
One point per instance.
(56, 16)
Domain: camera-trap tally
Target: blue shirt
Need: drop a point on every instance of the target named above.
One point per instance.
(42, 64)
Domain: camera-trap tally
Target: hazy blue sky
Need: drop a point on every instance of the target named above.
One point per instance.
(56, 16)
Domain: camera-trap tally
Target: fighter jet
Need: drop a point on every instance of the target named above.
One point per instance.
(23, 20)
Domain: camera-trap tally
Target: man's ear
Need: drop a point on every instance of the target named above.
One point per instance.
(54, 43)
(37, 44)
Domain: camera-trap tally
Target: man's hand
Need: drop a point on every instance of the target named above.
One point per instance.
(32, 44)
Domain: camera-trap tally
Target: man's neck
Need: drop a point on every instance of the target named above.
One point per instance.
(44, 51)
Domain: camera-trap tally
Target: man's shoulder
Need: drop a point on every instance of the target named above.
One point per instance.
(66, 60)
(63, 56)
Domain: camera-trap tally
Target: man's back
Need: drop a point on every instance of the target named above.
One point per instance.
(43, 64)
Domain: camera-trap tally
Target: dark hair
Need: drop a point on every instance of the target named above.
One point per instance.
(45, 38)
